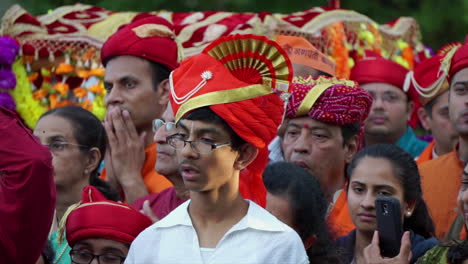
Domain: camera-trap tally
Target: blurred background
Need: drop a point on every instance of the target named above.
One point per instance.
(441, 22)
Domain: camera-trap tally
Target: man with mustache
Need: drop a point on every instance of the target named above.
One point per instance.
(432, 88)
(226, 112)
(322, 135)
(392, 107)
(307, 62)
(440, 177)
(138, 59)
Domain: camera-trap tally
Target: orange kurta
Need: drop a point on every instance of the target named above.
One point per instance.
(154, 181)
(441, 181)
(426, 155)
(339, 219)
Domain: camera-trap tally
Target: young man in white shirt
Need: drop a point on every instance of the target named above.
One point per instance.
(225, 120)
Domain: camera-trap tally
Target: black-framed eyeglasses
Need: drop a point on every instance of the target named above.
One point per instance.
(55, 146)
(158, 123)
(199, 146)
(85, 257)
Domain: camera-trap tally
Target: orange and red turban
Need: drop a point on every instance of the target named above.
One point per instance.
(329, 100)
(301, 51)
(97, 217)
(151, 38)
(239, 77)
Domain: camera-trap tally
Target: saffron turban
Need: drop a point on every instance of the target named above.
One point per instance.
(301, 51)
(240, 78)
(151, 38)
(329, 100)
(97, 217)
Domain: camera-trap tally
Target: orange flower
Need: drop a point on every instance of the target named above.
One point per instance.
(64, 68)
(80, 92)
(39, 94)
(33, 77)
(53, 101)
(83, 73)
(97, 88)
(62, 88)
(407, 54)
(63, 103)
(99, 72)
(86, 104)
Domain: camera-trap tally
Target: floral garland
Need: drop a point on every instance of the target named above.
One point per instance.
(55, 90)
(9, 48)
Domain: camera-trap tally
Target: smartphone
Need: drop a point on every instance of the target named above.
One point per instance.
(389, 225)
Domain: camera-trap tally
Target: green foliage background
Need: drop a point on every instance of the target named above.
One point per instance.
(441, 22)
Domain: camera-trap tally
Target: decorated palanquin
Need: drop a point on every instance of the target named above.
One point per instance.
(59, 56)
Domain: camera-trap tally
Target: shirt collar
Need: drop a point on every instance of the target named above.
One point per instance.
(256, 218)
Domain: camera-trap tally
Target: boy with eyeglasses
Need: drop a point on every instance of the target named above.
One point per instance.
(101, 229)
(226, 114)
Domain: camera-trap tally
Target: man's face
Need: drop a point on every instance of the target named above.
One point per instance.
(166, 163)
(130, 86)
(439, 123)
(458, 102)
(390, 110)
(208, 171)
(317, 147)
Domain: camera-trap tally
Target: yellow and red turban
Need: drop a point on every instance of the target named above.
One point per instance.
(329, 100)
(240, 78)
(151, 38)
(97, 217)
(427, 79)
(301, 51)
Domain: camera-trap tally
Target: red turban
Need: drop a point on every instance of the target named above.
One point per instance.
(378, 69)
(150, 38)
(459, 61)
(98, 217)
(329, 100)
(427, 79)
(238, 77)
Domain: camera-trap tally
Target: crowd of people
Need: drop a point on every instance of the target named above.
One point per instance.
(248, 152)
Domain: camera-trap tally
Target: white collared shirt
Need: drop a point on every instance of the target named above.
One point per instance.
(257, 238)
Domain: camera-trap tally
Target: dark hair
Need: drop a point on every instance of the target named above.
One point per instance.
(406, 170)
(205, 114)
(349, 130)
(90, 133)
(307, 202)
(458, 252)
(430, 105)
(48, 253)
(159, 73)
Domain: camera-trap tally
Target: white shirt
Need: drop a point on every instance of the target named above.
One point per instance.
(276, 154)
(257, 238)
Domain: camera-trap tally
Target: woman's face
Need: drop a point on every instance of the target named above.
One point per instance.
(372, 177)
(463, 196)
(68, 160)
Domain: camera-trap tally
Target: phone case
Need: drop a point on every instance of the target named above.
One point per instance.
(389, 225)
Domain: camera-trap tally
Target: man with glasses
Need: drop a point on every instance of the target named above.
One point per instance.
(226, 115)
(101, 229)
(158, 205)
(392, 107)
